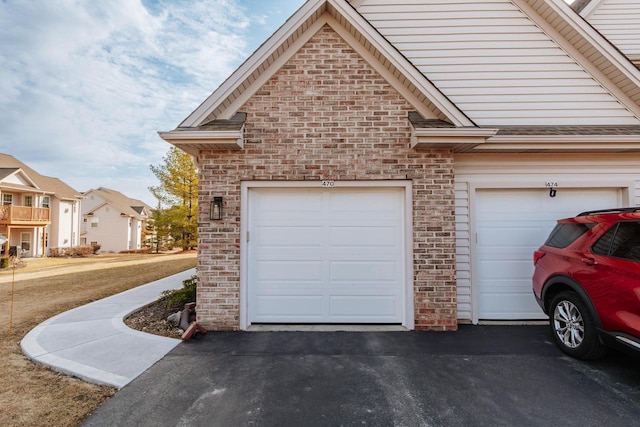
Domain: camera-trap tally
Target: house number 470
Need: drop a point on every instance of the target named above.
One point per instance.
(328, 183)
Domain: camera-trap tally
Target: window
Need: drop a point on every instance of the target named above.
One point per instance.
(565, 234)
(28, 201)
(25, 241)
(620, 241)
(7, 199)
(46, 201)
(94, 223)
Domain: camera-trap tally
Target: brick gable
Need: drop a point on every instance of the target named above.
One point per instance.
(327, 115)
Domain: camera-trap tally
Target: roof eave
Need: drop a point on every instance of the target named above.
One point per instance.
(562, 143)
(460, 139)
(192, 141)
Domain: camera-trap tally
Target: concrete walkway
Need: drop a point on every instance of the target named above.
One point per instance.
(92, 342)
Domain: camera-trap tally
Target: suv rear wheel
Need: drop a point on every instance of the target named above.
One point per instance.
(573, 327)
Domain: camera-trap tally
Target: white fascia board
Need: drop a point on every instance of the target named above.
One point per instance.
(591, 8)
(450, 137)
(421, 107)
(199, 135)
(595, 39)
(212, 138)
(248, 67)
(419, 80)
(26, 177)
(192, 142)
(570, 143)
(567, 139)
(561, 148)
(231, 109)
(22, 189)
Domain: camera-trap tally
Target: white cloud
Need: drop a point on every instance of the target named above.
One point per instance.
(85, 85)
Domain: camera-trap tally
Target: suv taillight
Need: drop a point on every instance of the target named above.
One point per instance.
(537, 255)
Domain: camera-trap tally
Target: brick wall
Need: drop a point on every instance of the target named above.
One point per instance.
(328, 115)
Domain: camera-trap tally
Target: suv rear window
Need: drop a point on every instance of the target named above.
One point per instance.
(620, 241)
(565, 234)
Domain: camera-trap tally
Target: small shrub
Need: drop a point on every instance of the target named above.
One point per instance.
(4, 263)
(75, 251)
(137, 251)
(177, 298)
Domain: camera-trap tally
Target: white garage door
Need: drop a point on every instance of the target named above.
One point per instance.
(510, 225)
(326, 255)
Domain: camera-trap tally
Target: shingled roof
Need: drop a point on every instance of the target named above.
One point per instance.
(9, 165)
(124, 204)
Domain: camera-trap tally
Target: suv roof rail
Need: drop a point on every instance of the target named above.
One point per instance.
(612, 210)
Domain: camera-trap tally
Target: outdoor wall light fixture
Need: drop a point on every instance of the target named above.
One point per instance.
(216, 209)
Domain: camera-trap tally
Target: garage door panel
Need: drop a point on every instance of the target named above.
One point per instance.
(504, 204)
(509, 306)
(287, 204)
(507, 270)
(356, 308)
(337, 255)
(527, 235)
(365, 204)
(303, 270)
(363, 271)
(290, 236)
(282, 308)
(511, 224)
(363, 236)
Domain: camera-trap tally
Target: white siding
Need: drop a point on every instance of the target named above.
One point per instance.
(619, 21)
(65, 223)
(477, 172)
(112, 234)
(463, 251)
(494, 62)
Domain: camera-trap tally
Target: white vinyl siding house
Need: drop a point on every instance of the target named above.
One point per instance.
(67, 234)
(113, 221)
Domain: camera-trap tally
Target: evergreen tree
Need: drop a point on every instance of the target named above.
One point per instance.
(176, 218)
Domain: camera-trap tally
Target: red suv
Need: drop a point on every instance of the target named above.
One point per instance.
(587, 279)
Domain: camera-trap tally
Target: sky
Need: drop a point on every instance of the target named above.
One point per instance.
(86, 85)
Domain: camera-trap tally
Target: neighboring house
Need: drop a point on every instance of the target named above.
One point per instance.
(399, 162)
(617, 20)
(37, 212)
(113, 221)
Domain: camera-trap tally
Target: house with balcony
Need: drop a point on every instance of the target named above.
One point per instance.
(113, 221)
(37, 212)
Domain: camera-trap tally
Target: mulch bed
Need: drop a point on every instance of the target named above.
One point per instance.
(152, 319)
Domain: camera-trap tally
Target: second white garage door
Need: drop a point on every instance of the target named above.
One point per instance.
(326, 255)
(510, 225)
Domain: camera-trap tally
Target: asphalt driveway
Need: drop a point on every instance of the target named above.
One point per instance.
(478, 376)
